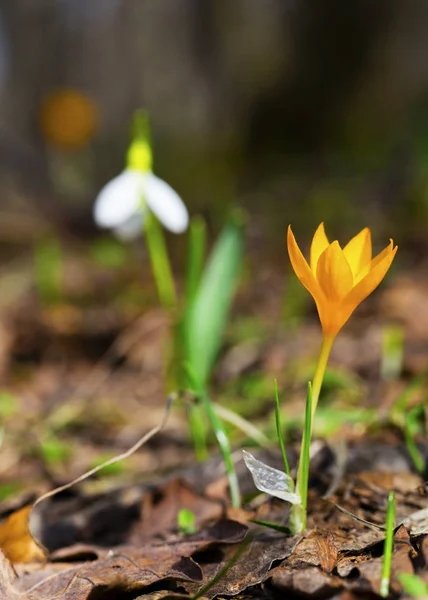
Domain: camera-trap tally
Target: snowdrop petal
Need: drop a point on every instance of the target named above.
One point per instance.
(166, 204)
(119, 199)
(131, 229)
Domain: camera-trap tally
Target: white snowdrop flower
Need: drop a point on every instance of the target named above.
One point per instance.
(123, 202)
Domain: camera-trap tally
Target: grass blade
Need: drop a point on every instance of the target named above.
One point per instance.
(306, 446)
(388, 547)
(279, 429)
(298, 511)
(223, 442)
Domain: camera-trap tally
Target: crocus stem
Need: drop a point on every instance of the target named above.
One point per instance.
(298, 511)
(327, 343)
(161, 267)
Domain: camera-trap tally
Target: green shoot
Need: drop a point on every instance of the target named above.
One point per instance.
(207, 317)
(245, 426)
(392, 352)
(48, 270)
(279, 430)
(412, 427)
(160, 263)
(209, 298)
(197, 418)
(53, 450)
(298, 511)
(224, 444)
(195, 263)
(220, 434)
(186, 521)
(196, 255)
(399, 408)
(413, 585)
(388, 547)
(305, 453)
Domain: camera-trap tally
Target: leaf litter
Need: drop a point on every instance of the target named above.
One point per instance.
(124, 543)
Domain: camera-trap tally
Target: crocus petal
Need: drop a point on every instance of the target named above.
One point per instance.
(379, 257)
(319, 244)
(358, 253)
(166, 204)
(334, 274)
(119, 199)
(132, 228)
(370, 282)
(301, 267)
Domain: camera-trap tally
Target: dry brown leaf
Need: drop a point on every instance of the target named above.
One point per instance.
(161, 507)
(327, 551)
(16, 540)
(309, 581)
(251, 568)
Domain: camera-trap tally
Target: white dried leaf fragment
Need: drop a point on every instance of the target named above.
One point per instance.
(271, 481)
(417, 522)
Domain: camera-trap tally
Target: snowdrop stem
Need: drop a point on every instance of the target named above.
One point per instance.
(159, 259)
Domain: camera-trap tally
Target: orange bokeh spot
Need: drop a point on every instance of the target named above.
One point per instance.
(68, 119)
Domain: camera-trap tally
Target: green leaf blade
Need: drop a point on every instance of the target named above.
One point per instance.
(210, 309)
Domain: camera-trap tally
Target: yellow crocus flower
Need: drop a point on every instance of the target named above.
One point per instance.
(339, 279)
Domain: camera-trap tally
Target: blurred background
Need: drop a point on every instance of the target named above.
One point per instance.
(296, 111)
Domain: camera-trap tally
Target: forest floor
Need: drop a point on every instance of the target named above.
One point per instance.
(83, 378)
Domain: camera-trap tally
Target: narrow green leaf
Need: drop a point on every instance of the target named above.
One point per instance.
(220, 434)
(208, 315)
(306, 446)
(196, 256)
(413, 585)
(279, 429)
(298, 511)
(413, 426)
(226, 450)
(198, 431)
(388, 546)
